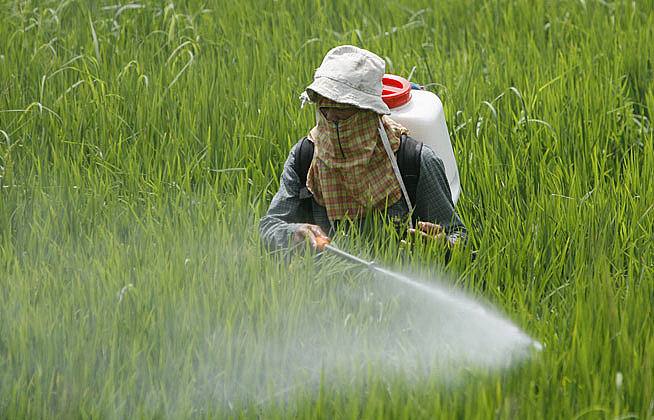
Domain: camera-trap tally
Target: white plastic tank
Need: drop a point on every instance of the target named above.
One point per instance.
(421, 112)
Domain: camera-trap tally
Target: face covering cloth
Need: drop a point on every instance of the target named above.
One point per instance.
(351, 173)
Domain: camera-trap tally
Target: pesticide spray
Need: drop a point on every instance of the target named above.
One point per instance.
(488, 339)
(400, 328)
(365, 325)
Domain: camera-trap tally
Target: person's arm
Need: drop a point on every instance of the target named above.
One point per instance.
(434, 205)
(285, 223)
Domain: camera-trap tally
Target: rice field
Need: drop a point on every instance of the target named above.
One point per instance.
(141, 142)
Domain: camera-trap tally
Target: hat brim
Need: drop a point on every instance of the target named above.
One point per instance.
(345, 94)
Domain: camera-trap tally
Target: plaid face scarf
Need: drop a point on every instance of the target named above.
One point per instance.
(350, 172)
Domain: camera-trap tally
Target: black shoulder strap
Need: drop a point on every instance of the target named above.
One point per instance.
(408, 160)
(303, 158)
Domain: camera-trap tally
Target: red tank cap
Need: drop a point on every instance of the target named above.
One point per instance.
(397, 90)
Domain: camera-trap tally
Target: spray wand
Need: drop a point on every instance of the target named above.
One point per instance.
(323, 244)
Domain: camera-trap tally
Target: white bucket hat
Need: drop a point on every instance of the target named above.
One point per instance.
(350, 75)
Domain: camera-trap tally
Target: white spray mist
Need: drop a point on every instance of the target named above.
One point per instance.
(386, 322)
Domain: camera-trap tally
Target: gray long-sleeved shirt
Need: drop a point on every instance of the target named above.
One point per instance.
(433, 204)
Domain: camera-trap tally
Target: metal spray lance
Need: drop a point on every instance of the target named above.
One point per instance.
(323, 244)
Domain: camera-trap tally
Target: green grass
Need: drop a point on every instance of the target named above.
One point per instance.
(139, 145)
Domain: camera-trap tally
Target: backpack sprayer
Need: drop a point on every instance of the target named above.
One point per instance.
(421, 112)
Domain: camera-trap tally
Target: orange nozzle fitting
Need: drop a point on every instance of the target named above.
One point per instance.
(321, 242)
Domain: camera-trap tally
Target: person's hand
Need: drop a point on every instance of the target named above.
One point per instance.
(312, 233)
(430, 232)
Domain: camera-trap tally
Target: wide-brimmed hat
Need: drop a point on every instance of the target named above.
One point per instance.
(350, 75)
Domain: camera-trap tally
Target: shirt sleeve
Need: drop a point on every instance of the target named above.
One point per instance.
(434, 199)
(285, 213)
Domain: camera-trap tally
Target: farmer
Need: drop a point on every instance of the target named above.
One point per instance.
(343, 170)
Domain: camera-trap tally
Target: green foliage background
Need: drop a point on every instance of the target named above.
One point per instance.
(140, 143)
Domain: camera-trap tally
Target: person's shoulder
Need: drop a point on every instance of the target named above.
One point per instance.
(429, 158)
